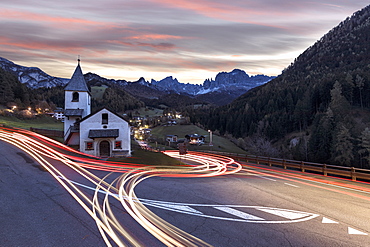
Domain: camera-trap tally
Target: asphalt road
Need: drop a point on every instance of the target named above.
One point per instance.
(256, 207)
(330, 215)
(35, 210)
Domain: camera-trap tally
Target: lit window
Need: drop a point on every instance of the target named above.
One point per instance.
(104, 118)
(118, 145)
(89, 146)
(75, 97)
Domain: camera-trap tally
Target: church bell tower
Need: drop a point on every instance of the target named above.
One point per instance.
(77, 105)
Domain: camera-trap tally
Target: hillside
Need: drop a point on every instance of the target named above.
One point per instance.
(318, 108)
(219, 143)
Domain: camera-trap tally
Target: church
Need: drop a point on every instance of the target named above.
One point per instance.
(103, 133)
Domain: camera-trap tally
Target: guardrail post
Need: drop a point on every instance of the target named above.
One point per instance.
(324, 171)
(257, 161)
(302, 166)
(269, 162)
(284, 164)
(353, 174)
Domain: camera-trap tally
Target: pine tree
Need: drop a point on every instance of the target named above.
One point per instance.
(365, 144)
(343, 147)
(338, 103)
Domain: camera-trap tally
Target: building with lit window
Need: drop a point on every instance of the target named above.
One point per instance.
(103, 133)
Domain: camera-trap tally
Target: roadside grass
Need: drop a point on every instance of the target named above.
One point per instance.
(42, 122)
(220, 144)
(145, 157)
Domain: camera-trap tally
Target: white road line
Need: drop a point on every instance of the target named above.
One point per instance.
(292, 185)
(238, 213)
(288, 214)
(355, 232)
(175, 207)
(186, 208)
(266, 178)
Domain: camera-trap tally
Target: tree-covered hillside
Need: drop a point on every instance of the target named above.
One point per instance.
(321, 101)
(14, 93)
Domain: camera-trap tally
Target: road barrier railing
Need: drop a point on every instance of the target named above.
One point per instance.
(303, 166)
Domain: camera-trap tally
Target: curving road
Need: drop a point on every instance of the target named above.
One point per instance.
(53, 196)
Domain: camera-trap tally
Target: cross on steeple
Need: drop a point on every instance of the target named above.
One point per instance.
(78, 60)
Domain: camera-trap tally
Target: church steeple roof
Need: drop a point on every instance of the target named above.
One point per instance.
(77, 82)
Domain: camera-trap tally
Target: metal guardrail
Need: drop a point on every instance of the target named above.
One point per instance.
(325, 169)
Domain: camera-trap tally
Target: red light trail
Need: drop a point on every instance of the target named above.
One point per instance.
(44, 149)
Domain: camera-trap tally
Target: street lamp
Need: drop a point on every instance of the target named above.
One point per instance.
(210, 138)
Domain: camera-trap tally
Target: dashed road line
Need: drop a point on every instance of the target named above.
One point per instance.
(292, 185)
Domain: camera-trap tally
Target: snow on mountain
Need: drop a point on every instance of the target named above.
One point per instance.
(236, 80)
(33, 77)
(224, 81)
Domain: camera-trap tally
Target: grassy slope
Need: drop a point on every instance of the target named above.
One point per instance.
(151, 113)
(148, 158)
(42, 122)
(219, 143)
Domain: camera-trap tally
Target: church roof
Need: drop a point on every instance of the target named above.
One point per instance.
(73, 112)
(103, 133)
(77, 82)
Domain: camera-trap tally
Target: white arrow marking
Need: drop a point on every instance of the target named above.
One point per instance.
(328, 221)
(355, 232)
(285, 213)
(238, 213)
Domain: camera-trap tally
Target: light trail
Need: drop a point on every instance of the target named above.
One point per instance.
(122, 188)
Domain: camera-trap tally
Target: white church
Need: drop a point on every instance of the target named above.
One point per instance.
(103, 133)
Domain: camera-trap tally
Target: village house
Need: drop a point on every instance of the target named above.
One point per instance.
(171, 138)
(103, 133)
(195, 139)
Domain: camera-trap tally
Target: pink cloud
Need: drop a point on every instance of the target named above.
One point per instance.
(29, 16)
(155, 37)
(223, 11)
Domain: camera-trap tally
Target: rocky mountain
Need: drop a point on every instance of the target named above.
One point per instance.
(318, 109)
(236, 80)
(31, 76)
(223, 89)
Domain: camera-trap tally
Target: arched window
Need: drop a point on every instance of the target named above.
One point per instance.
(75, 97)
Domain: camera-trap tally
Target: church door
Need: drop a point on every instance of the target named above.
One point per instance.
(104, 148)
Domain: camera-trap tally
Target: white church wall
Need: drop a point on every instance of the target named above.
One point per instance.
(94, 122)
(83, 102)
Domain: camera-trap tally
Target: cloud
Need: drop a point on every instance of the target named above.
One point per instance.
(187, 39)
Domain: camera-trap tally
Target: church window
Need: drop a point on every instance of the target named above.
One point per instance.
(117, 145)
(104, 118)
(75, 97)
(89, 146)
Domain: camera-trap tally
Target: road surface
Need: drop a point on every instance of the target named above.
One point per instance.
(255, 206)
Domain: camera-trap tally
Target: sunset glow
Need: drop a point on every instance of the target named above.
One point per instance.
(191, 41)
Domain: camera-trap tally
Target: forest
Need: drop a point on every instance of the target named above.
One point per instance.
(316, 110)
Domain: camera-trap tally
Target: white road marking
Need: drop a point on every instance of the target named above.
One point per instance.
(238, 213)
(285, 213)
(174, 207)
(186, 208)
(328, 221)
(266, 178)
(355, 232)
(292, 185)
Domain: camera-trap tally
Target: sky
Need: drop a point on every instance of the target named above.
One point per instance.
(188, 40)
